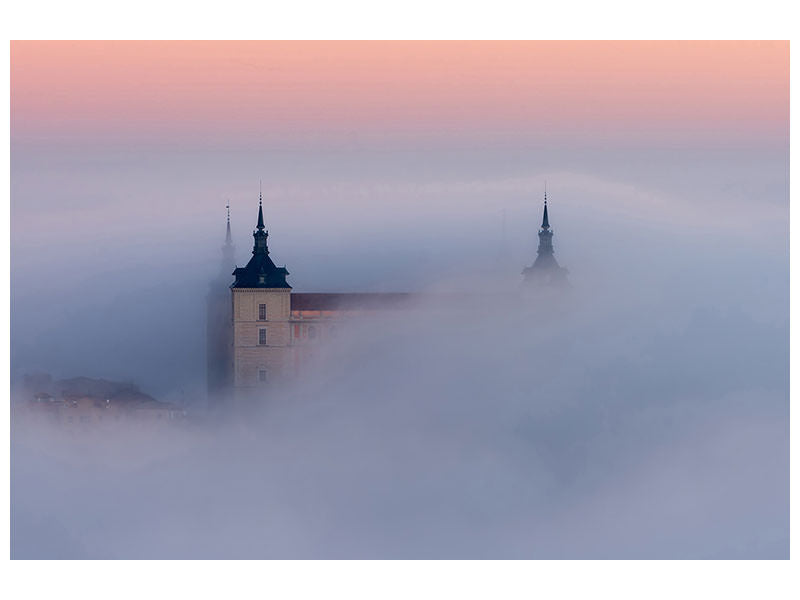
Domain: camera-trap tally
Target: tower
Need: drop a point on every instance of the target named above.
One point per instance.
(261, 311)
(219, 335)
(545, 270)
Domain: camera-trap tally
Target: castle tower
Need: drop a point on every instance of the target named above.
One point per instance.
(261, 312)
(219, 336)
(545, 270)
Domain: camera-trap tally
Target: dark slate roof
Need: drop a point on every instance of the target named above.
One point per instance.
(101, 388)
(350, 301)
(260, 265)
(260, 272)
(396, 301)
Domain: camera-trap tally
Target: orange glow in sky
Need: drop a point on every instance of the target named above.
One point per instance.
(243, 90)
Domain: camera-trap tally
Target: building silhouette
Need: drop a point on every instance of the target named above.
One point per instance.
(261, 332)
(219, 332)
(545, 272)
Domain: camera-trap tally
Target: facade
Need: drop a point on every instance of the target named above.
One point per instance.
(265, 332)
(260, 296)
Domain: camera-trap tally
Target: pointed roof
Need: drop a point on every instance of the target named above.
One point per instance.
(545, 222)
(260, 271)
(228, 238)
(260, 224)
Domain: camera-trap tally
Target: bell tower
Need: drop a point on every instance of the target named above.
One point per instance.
(261, 310)
(545, 270)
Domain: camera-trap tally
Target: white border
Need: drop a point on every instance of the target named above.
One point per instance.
(407, 20)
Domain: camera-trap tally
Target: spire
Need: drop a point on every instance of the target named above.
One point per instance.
(228, 232)
(260, 225)
(545, 268)
(260, 234)
(545, 222)
(260, 271)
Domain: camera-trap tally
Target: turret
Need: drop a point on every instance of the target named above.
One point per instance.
(260, 271)
(545, 269)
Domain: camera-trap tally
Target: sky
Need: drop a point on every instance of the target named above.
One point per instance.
(229, 93)
(386, 166)
(417, 166)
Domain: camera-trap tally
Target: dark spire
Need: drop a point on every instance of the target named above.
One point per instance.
(260, 234)
(260, 271)
(260, 225)
(545, 268)
(545, 222)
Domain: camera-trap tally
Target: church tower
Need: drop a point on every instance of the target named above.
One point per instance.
(219, 338)
(545, 270)
(261, 312)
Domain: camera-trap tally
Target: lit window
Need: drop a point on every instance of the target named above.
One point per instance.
(262, 375)
(262, 337)
(262, 312)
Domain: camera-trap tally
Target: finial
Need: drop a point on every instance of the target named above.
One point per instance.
(545, 192)
(260, 225)
(228, 238)
(259, 192)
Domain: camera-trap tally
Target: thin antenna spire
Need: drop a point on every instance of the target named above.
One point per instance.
(228, 228)
(259, 192)
(545, 191)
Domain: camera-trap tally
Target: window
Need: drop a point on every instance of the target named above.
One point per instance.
(262, 312)
(262, 279)
(262, 337)
(312, 332)
(262, 375)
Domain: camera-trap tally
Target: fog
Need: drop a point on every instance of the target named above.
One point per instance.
(642, 415)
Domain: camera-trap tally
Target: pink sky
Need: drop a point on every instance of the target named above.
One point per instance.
(246, 90)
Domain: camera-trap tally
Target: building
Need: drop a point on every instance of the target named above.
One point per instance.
(265, 331)
(219, 333)
(545, 272)
(81, 405)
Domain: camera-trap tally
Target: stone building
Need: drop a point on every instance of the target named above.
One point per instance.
(264, 332)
